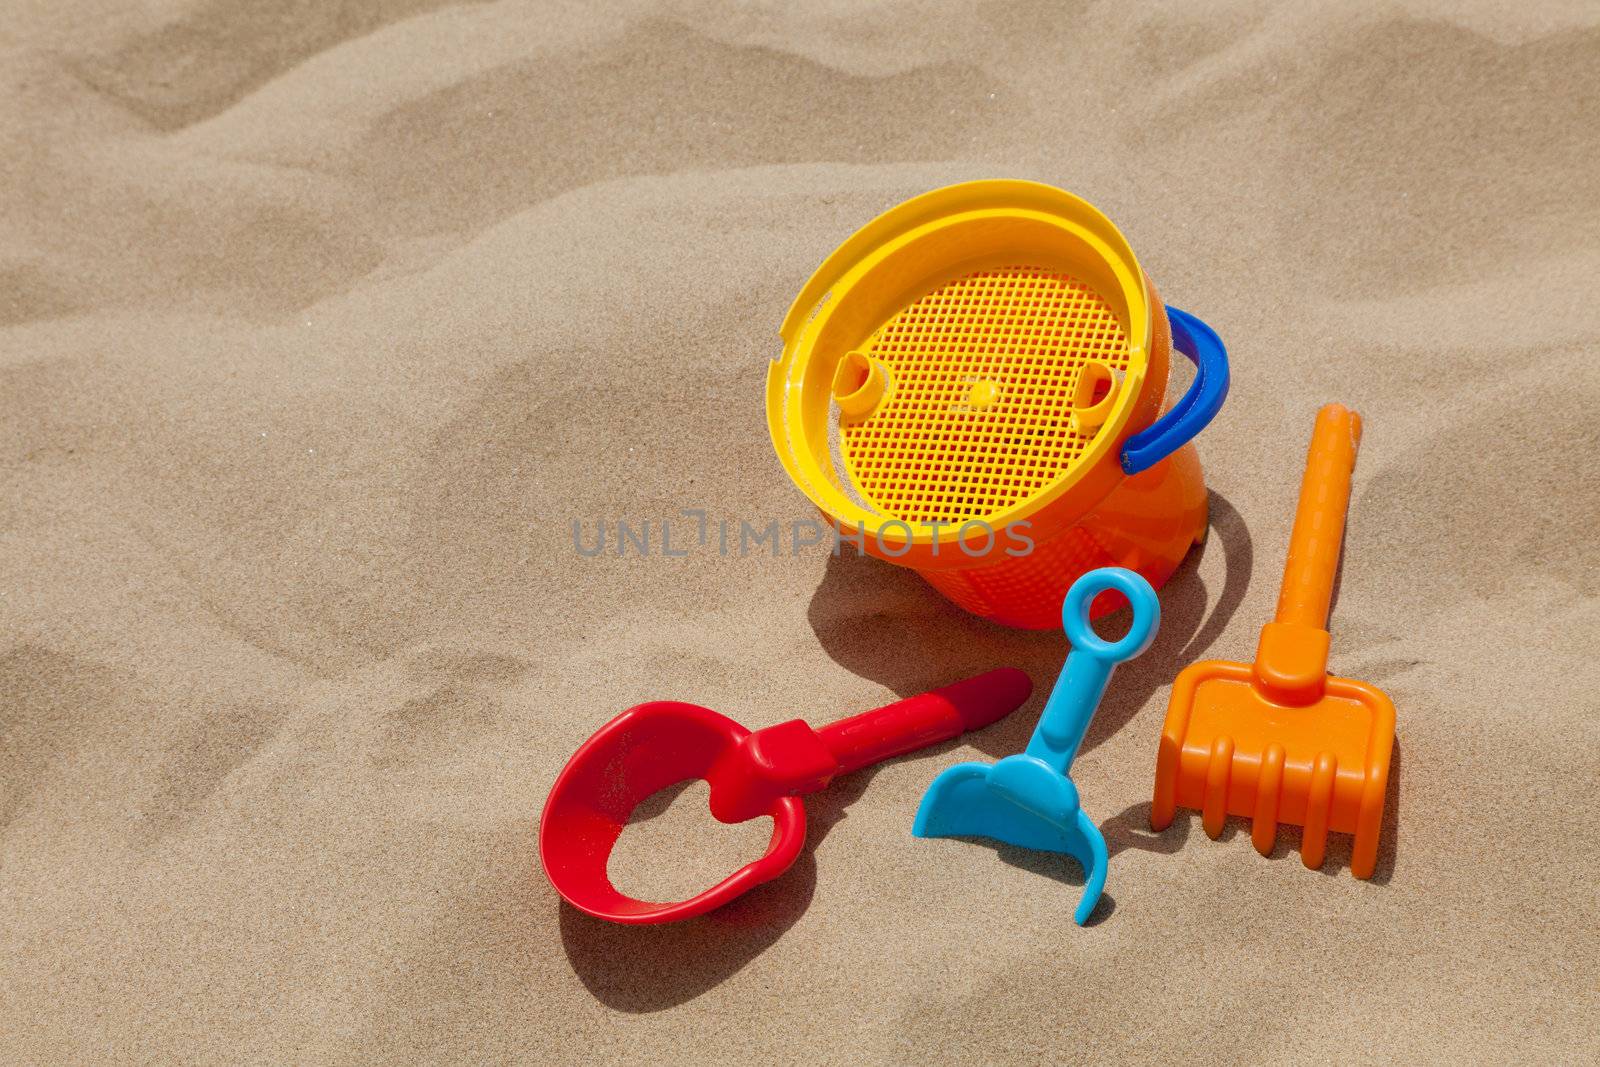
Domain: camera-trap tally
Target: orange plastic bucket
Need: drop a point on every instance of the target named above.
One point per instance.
(972, 386)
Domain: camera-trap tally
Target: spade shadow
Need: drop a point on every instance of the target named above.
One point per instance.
(642, 969)
(1128, 830)
(1052, 865)
(884, 623)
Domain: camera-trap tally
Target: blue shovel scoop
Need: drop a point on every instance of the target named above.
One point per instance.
(1028, 799)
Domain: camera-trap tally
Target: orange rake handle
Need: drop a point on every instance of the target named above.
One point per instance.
(1292, 658)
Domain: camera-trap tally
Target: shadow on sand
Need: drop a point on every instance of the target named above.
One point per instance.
(644, 969)
(884, 623)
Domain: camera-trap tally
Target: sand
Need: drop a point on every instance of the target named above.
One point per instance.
(322, 323)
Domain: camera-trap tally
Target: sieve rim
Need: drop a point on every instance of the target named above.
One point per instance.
(829, 288)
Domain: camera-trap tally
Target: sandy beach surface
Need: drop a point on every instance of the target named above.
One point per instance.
(320, 324)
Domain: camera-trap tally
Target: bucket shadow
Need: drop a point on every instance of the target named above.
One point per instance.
(884, 623)
(643, 969)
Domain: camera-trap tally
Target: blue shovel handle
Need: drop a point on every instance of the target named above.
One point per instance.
(1089, 665)
(1199, 405)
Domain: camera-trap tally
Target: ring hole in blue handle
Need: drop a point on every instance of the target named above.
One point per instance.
(1108, 617)
(1146, 612)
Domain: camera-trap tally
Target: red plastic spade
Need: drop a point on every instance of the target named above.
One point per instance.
(652, 746)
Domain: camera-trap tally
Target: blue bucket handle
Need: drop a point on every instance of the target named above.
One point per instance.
(1199, 405)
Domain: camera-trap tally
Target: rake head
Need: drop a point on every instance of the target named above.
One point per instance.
(1229, 749)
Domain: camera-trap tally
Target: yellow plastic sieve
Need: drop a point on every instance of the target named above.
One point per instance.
(976, 360)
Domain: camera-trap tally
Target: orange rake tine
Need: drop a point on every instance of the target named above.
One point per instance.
(1280, 740)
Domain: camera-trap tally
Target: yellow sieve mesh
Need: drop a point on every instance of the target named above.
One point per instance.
(933, 452)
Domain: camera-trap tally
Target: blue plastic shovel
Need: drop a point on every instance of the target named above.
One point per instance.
(1028, 799)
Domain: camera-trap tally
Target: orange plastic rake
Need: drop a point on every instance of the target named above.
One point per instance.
(1280, 740)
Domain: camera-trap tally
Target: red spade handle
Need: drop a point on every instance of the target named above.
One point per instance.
(792, 758)
(925, 719)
